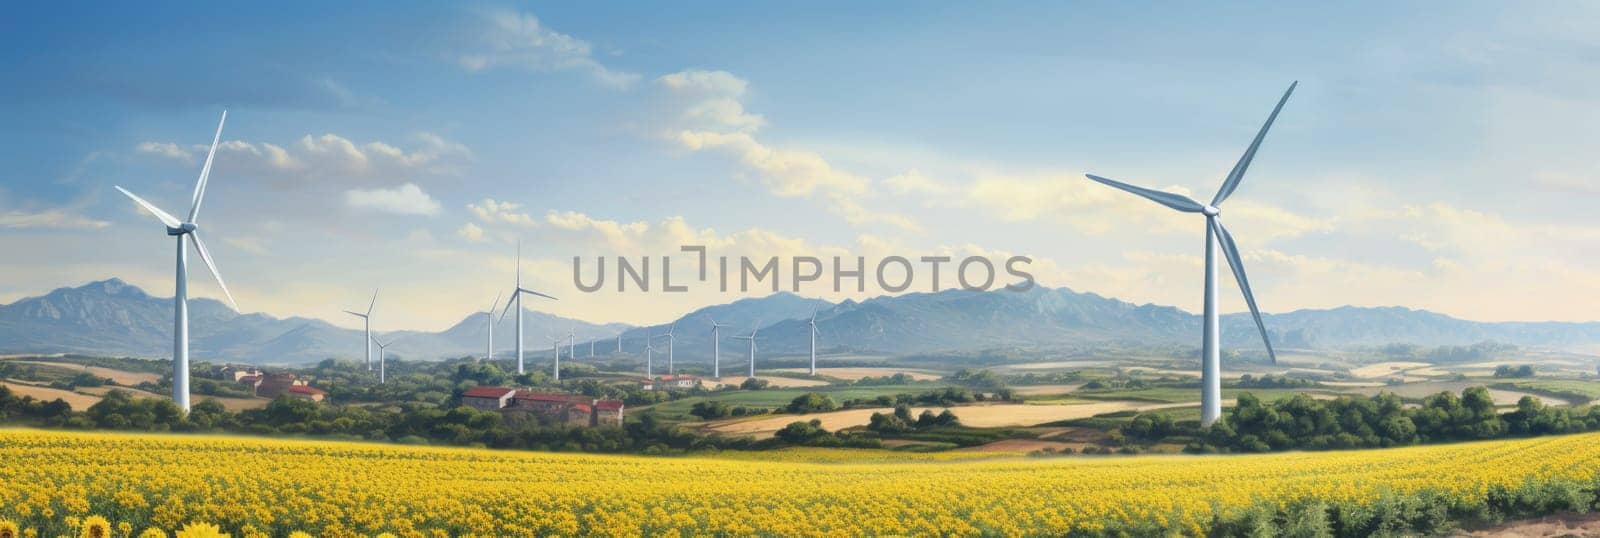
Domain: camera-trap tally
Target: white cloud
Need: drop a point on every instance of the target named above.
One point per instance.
(54, 218)
(324, 157)
(491, 211)
(407, 199)
(511, 39)
(470, 232)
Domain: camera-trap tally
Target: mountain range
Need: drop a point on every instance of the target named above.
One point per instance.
(111, 317)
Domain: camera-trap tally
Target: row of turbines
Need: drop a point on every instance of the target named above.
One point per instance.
(1216, 236)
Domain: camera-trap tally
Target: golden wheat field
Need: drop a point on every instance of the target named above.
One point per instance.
(54, 484)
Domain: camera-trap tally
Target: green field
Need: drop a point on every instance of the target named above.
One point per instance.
(1581, 391)
(773, 398)
(1190, 394)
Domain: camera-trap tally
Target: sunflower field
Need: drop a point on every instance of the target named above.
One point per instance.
(99, 484)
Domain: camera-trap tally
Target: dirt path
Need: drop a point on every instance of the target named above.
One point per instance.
(122, 377)
(1549, 526)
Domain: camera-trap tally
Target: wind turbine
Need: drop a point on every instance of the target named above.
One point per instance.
(516, 297)
(383, 355)
(490, 315)
(555, 349)
(1216, 235)
(716, 348)
(180, 298)
(814, 332)
(670, 340)
(649, 356)
(752, 339)
(572, 343)
(367, 320)
(619, 342)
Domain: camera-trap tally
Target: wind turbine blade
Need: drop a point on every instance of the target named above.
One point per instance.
(495, 304)
(205, 256)
(356, 314)
(525, 290)
(374, 301)
(1228, 185)
(166, 219)
(1175, 201)
(1231, 250)
(509, 302)
(205, 171)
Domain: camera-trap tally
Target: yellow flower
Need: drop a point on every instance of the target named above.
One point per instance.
(95, 527)
(125, 528)
(300, 534)
(200, 530)
(386, 535)
(153, 532)
(47, 513)
(72, 521)
(8, 528)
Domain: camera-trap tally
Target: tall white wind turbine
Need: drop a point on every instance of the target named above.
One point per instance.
(1216, 235)
(752, 339)
(649, 356)
(516, 298)
(716, 348)
(670, 340)
(180, 299)
(383, 359)
(490, 315)
(555, 351)
(619, 342)
(813, 333)
(366, 319)
(572, 343)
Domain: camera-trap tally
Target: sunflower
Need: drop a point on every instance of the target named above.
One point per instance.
(300, 534)
(8, 529)
(95, 527)
(200, 530)
(125, 528)
(153, 532)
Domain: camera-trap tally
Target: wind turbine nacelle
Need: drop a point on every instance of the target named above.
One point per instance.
(181, 229)
(1211, 211)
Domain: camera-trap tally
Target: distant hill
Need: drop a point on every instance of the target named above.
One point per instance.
(113, 318)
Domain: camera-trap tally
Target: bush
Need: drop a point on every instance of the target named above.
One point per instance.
(811, 402)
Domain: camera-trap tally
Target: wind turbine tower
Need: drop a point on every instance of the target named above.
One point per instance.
(752, 339)
(366, 319)
(383, 356)
(1216, 236)
(490, 316)
(180, 298)
(813, 333)
(716, 348)
(555, 351)
(516, 298)
(670, 340)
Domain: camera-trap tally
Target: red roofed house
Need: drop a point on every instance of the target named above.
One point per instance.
(675, 381)
(274, 385)
(304, 392)
(580, 414)
(488, 398)
(608, 413)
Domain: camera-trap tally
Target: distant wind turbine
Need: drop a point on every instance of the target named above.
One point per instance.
(383, 356)
(619, 342)
(649, 356)
(572, 343)
(555, 351)
(490, 315)
(516, 298)
(813, 333)
(752, 339)
(180, 298)
(716, 348)
(670, 340)
(1216, 235)
(366, 319)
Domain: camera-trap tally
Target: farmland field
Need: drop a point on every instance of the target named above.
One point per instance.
(260, 487)
(980, 416)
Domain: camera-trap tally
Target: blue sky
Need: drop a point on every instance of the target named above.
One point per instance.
(1435, 156)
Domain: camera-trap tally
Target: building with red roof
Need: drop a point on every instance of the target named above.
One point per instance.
(488, 398)
(305, 392)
